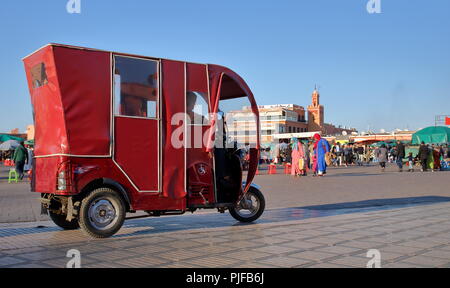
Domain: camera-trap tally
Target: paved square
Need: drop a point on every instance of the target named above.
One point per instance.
(320, 227)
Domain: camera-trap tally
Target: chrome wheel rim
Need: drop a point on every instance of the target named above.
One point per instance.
(249, 206)
(103, 214)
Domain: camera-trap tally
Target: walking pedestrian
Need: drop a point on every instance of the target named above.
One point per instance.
(347, 155)
(339, 154)
(423, 156)
(437, 158)
(321, 148)
(400, 155)
(382, 157)
(410, 162)
(20, 157)
(360, 151)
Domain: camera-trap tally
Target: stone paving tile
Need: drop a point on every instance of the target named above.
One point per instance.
(122, 244)
(112, 255)
(254, 265)
(100, 264)
(328, 265)
(362, 244)
(438, 253)
(243, 244)
(383, 239)
(434, 239)
(186, 237)
(313, 255)
(348, 236)
(248, 255)
(291, 236)
(285, 262)
(404, 250)
(353, 261)
(367, 233)
(179, 265)
(143, 262)
(213, 249)
(155, 240)
(303, 245)
(22, 250)
(44, 255)
(178, 255)
(326, 240)
(340, 250)
(212, 240)
(30, 266)
(268, 233)
(445, 247)
(275, 249)
(277, 240)
(445, 235)
(426, 261)
(411, 234)
(148, 249)
(316, 233)
(7, 261)
(385, 256)
(335, 229)
(400, 265)
(89, 248)
(183, 244)
(214, 261)
(418, 244)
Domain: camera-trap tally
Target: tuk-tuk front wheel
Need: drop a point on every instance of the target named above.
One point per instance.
(250, 207)
(102, 213)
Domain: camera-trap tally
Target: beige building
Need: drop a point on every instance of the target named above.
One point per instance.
(30, 132)
(281, 119)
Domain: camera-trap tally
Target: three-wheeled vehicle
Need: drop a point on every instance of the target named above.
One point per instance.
(116, 133)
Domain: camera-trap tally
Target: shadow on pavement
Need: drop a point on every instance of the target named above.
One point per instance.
(150, 226)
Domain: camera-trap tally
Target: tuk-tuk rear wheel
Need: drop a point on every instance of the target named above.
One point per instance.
(60, 220)
(255, 206)
(102, 213)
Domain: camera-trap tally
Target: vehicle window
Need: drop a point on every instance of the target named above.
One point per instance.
(240, 121)
(39, 75)
(197, 108)
(135, 87)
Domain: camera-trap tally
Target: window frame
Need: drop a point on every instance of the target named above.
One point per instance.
(208, 120)
(158, 84)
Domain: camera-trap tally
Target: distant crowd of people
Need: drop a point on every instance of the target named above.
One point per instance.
(314, 155)
(22, 157)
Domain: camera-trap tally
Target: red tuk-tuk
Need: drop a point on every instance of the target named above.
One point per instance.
(113, 135)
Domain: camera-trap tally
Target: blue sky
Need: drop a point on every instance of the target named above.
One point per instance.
(386, 71)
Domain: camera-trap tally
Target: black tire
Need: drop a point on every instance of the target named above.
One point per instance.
(60, 220)
(253, 192)
(93, 209)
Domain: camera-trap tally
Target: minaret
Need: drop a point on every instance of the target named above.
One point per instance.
(315, 113)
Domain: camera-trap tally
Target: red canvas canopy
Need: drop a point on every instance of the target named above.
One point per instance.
(71, 92)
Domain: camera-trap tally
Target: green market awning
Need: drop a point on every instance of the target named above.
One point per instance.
(6, 137)
(432, 135)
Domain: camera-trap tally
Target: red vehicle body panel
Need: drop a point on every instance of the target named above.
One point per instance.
(71, 93)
